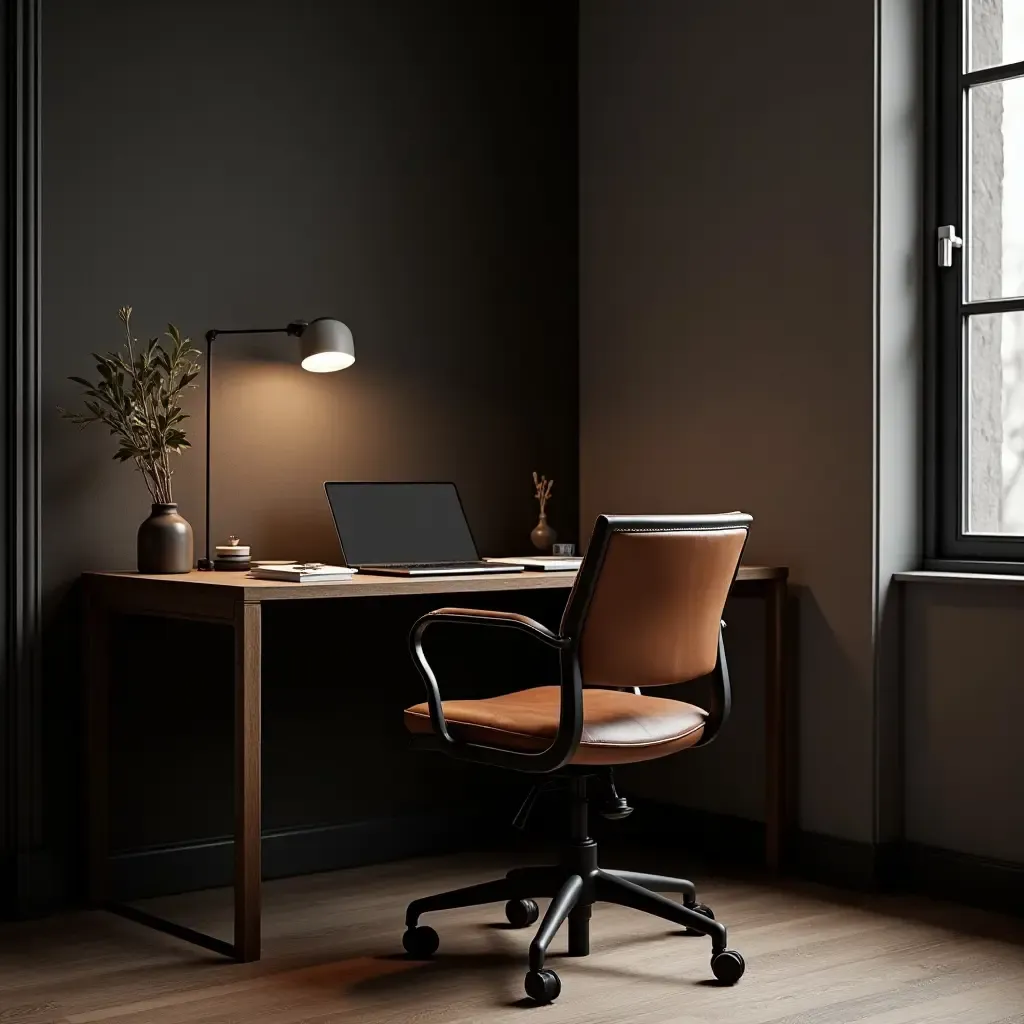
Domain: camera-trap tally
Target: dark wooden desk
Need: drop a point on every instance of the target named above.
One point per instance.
(232, 599)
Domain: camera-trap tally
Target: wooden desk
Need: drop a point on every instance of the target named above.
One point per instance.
(232, 599)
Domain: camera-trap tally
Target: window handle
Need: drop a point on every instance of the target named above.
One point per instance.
(948, 241)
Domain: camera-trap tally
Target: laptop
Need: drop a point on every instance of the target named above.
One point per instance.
(406, 529)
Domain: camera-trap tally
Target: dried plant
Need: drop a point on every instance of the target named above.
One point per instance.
(138, 398)
(542, 488)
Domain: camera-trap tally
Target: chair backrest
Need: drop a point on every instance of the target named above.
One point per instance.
(647, 605)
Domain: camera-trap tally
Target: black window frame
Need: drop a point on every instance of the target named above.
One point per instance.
(948, 82)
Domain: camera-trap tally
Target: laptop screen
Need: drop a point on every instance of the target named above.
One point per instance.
(380, 523)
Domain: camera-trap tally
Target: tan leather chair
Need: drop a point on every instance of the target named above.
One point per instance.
(645, 611)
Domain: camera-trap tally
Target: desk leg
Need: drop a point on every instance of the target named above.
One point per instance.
(776, 725)
(96, 657)
(248, 874)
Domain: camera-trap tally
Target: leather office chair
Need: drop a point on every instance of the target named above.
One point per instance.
(645, 611)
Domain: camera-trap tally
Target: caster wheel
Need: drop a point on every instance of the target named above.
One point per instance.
(728, 966)
(420, 943)
(543, 986)
(701, 908)
(521, 913)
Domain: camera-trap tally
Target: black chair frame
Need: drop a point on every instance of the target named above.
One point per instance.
(576, 882)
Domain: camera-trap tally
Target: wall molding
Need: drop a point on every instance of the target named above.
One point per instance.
(963, 877)
(680, 836)
(184, 867)
(21, 833)
(843, 863)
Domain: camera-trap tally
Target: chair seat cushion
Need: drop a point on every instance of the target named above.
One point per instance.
(618, 726)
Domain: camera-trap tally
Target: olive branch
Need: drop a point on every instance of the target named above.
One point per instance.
(138, 398)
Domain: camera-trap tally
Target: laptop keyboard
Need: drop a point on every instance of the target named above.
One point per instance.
(437, 565)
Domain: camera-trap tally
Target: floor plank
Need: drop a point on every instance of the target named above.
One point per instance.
(331, 945)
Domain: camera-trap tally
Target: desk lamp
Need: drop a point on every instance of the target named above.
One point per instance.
(325, 345)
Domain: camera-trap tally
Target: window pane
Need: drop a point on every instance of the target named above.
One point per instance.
(997, 32)
(995, 424)
(995, 252)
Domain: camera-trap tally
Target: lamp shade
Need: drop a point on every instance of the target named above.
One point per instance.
(326, 345)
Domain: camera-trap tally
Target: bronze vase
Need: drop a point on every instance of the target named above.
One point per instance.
(542, 535)
(165, 541)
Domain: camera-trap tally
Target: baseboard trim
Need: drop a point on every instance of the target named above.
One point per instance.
(8, 900)
(845, 863)
(740, 842)
(963, 877)
(705, 834)
(40, 884)
(718, 838)
(208, 864)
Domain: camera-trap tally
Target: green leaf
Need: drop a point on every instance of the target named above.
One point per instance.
(135, 397)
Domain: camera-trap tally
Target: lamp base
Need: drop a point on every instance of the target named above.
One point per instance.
(205, 565)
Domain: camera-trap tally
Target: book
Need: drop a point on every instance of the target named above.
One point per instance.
(303, 572)
(543, 563)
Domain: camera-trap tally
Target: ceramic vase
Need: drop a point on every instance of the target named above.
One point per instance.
(165, 541)
(542, 535)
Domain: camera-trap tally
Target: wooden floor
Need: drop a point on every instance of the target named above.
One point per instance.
(814, 956)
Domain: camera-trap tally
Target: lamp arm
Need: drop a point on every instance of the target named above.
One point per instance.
(295, 328)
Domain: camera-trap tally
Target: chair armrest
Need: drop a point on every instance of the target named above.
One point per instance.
(482, 617)
(570, 723)
(721, 695)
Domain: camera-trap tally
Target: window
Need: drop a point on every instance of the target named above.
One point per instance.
(978, 192)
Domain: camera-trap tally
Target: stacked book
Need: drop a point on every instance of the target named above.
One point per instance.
(302, 572)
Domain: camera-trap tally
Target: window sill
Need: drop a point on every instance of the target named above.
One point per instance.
(961, 578)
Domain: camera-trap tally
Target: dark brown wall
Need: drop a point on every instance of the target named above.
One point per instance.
(727, 322)
(409, 168)
(750, 337)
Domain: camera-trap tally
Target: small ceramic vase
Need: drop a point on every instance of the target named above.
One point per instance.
(165, 541)
(542, 535)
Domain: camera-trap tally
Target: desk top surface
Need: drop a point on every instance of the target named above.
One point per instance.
(242, 587)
